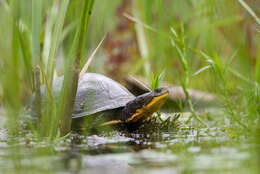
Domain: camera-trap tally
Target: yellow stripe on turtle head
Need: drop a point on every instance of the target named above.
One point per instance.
(147, 111)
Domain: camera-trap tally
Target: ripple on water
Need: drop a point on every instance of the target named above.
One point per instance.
(163, 151)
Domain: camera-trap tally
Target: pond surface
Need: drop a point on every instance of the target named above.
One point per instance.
(182, 150)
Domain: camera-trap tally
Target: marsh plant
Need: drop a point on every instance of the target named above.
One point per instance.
(34, 36)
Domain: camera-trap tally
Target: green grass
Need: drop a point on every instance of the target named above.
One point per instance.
(156, 80)
(34, 37)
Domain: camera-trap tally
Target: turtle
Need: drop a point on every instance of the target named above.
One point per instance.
(102, 97)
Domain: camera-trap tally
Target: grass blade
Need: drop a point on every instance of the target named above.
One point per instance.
(141, 38)
(250, 11)
(85, 68)
(56, 38)
(36, 29)
(202, 69)
(68, 95)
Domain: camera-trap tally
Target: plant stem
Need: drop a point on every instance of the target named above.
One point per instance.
(56, 39)
(73, 69)
(250, 11)
(141, 38)
(36, 27)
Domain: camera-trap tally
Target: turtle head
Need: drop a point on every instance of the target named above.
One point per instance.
(143, 106)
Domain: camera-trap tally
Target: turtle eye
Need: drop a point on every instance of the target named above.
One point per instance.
(158, 90)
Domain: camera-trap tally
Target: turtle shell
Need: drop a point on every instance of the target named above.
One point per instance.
(96, 93)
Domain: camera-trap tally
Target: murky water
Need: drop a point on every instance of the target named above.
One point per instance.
(182, 150)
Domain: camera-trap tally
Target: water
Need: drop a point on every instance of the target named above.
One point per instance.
(182, 150)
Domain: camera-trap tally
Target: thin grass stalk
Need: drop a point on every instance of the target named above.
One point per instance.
(85, 67)
(55, 30)
(11, 79)
(11, 86)
(250, 11)
(70, 82)
(156, 80)
(36, 29)
(85, 17)
(257, 67)
(257, 131)
(25, 50)
(141, 38)
(218, 69)
(49, 115)
(56, 38)
(257, 149)
(181, 50)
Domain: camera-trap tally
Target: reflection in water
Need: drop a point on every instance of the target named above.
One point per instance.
(152, 149)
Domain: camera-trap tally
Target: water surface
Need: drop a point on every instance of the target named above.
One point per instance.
(179, 149)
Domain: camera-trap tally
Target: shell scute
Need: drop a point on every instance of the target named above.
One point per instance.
(99, 93)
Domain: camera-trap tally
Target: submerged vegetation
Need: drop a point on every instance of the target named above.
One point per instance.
(211, 45)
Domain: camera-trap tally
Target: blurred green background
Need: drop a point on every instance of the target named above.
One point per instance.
(222, 28)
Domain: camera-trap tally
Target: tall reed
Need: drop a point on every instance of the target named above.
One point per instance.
(34, 33)
(71, 76)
